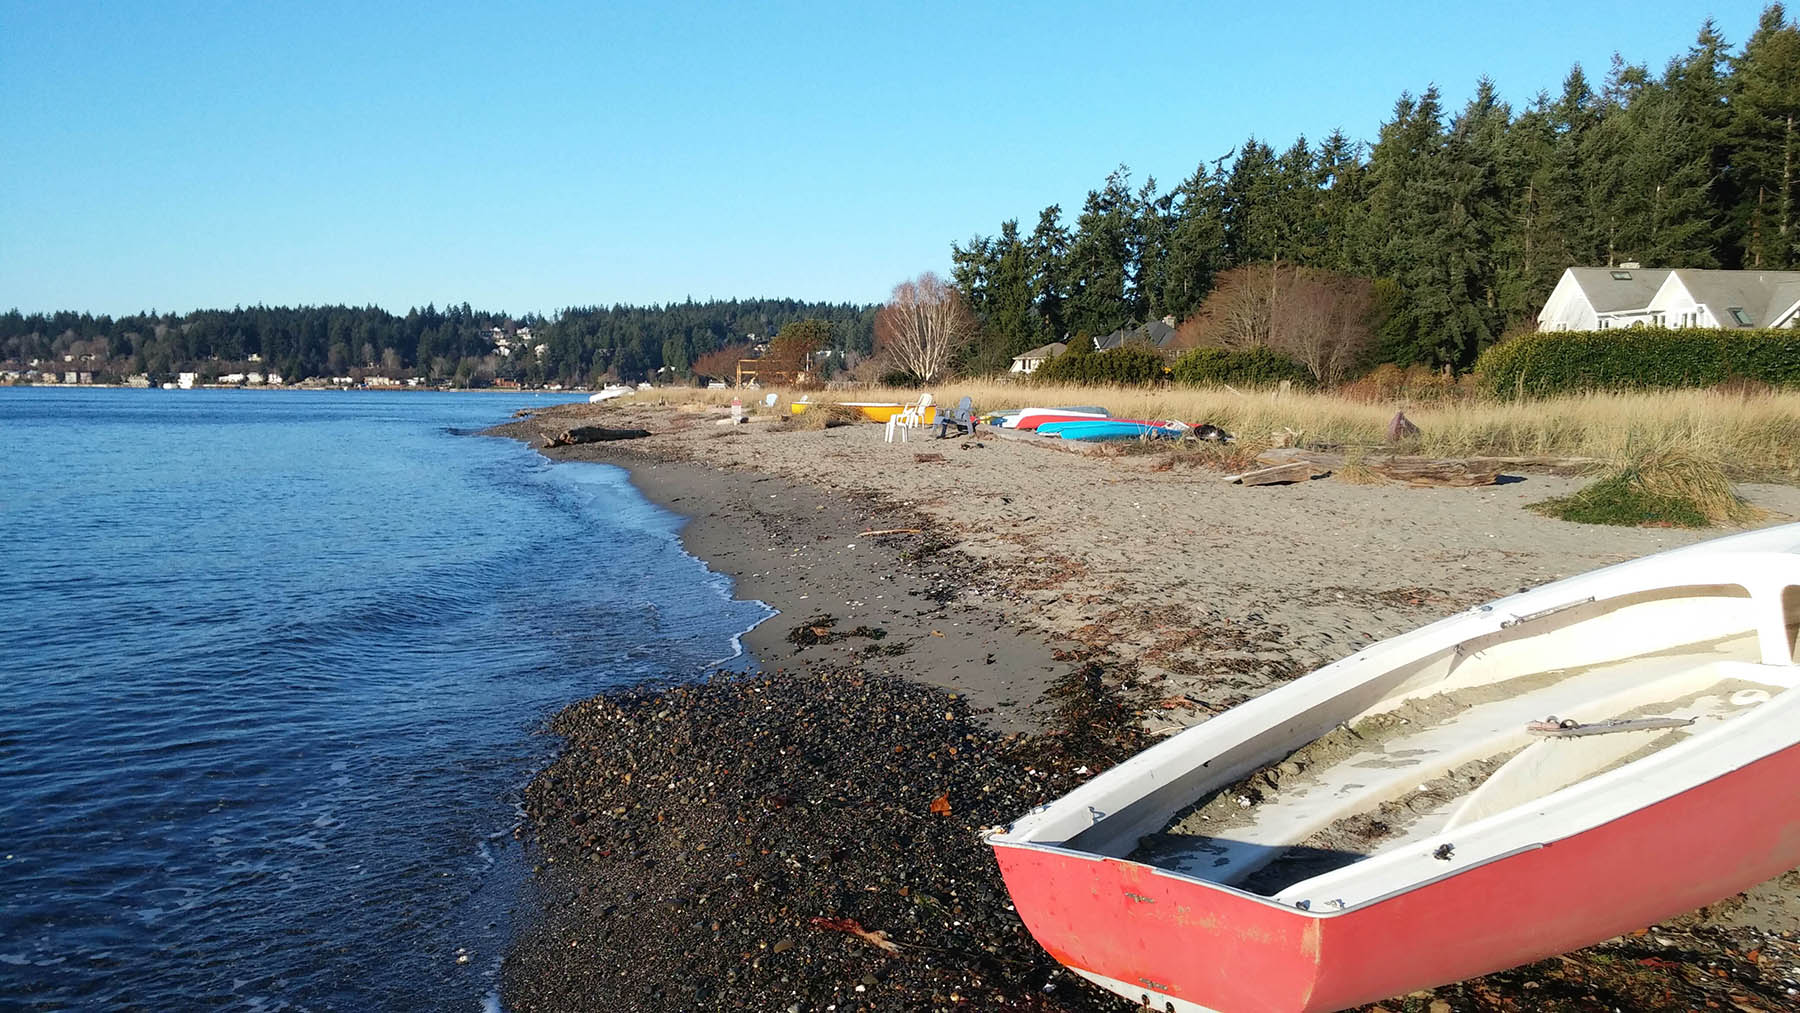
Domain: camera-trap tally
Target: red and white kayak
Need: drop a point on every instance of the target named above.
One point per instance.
(1031, 418)
(1519, 780)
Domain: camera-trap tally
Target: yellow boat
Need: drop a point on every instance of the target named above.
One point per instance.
(872, 410)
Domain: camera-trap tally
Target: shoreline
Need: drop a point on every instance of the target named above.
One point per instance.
(800, 550)
(785, 526)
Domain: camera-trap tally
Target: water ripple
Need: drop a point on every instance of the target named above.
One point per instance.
(282, 662)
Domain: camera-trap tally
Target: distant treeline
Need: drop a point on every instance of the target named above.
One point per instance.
(456, 344)
(1463, 220)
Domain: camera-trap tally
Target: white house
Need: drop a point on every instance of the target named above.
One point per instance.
(1725, 299)
(1601, 298)
(1025, 362)
(1594, 298)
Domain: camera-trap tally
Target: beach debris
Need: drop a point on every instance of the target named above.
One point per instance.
(888, 531)
(1287, 437)
(820, 630)
(940, 806)
(1210, 433)
(1292, 471)
(931, 458)
(1421, 471)
(850, 926)
(1401, 428)
(594, 434)
(1418, 471)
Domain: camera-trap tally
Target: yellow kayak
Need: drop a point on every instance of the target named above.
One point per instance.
(873, 411)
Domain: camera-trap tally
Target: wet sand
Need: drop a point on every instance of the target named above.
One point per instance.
(1159, 592)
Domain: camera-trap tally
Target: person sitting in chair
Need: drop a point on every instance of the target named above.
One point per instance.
(963, 418)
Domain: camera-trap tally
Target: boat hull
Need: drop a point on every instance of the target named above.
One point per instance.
(1163, 938)
(1029, 420)
(1109, 429)
(872, 412)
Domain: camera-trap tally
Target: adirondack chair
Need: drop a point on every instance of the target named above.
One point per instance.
(963, 418)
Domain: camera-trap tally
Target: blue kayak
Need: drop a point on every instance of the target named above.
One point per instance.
(1108, 429)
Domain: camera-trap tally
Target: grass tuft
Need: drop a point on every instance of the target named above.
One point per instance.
(1668, 485)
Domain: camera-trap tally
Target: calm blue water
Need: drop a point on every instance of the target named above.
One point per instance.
(276, 666)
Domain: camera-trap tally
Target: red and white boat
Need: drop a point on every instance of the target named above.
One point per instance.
(1031, 418)
(1519, 780)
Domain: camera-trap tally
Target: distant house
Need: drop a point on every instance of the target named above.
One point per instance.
(1603, 298)
(1156, 334)
(1025, 362)
(187, 380)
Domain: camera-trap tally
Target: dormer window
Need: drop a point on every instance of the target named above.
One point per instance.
(1621, 275)
(1738, 314)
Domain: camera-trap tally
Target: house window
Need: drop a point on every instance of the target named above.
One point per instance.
(1621, 275)
(1738, 314)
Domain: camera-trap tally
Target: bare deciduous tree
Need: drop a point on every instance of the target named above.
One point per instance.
(922, 326)
(721, 363)
(1318, 318)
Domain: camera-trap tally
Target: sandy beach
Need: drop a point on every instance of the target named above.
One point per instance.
(1014, 570)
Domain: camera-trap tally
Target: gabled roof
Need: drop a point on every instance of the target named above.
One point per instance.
(1042, 351)
(1612, 289)
(1156, 333)
(1760, 295)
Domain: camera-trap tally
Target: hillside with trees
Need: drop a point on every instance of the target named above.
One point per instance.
(1450, 229)
(457, 345)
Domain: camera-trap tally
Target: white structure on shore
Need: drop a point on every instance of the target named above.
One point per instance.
(1602, 298)
(1026, 362)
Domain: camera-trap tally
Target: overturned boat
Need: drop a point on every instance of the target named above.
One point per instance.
(1522, 779)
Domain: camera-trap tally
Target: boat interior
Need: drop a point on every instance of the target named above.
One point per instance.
(1486, 727)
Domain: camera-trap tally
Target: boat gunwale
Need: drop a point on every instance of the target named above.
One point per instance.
(1571, 797)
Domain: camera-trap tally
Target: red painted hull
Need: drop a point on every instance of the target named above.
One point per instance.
(1223, 950)
(1039, 420)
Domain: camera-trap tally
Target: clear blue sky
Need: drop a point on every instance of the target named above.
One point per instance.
(535, 156)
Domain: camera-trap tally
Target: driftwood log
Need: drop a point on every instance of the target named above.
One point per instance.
(1292, 471)
(1425, 471)
(594, 434)
(1429, 471)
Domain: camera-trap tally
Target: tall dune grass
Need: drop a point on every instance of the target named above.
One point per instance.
(1752, 435)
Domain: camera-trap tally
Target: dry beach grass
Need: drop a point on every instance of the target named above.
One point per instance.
(1754, 434)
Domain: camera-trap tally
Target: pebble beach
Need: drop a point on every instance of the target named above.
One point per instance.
(967, 628)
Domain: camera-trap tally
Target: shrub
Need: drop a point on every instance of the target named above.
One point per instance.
(1258, 366)
(1558, 362)
(1132, 364)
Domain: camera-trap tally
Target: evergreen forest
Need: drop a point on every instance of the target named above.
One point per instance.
(456, 345)
(1463, 219)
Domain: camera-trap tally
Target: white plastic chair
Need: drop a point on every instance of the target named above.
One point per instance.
(911, 417)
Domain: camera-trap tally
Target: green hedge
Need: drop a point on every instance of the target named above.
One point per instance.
(1256, 367)
(1130, 364)
(1558, 362)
